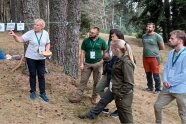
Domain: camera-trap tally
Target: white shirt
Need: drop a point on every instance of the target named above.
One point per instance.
(33, 45)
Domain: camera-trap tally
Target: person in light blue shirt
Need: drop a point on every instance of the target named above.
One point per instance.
(174, 78)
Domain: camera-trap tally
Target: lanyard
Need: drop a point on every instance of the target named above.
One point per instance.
(176, 58)
(39, 39)
(93, 44)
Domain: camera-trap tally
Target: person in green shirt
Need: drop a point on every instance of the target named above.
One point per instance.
(92, 50)
(152, 43)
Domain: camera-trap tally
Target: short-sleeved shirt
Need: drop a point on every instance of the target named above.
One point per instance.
(33, 45)
(151, 44)
(97, 46)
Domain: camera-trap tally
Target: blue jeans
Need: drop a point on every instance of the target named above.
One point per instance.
(104, 101)
(36, 67)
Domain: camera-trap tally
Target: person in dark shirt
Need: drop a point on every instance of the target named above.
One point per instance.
(121, 85)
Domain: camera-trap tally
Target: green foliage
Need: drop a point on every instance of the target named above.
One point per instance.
(85, 24)
(178, 14)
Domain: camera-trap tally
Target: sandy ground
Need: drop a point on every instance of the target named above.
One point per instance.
(17, 108)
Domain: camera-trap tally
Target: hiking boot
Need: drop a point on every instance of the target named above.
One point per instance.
(105, 111)
(85, 116)
(33, 95)
(148, 89)
(44, 97)
(93, 100)
(74, 99)
(114, 114)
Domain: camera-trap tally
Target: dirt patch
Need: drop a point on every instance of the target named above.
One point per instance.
(16, 107)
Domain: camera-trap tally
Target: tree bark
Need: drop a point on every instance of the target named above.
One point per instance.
(30, 12)
(72, 42)
(44, 11)
(64, 32)
(167, 24)
(58, 34)
(16, 11)
(5, 11)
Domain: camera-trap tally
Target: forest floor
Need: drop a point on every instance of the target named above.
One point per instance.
(17, 108)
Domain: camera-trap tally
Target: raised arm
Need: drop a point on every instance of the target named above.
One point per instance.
(16, 37)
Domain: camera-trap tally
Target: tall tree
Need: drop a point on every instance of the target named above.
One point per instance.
(58, 21)
(44, 11)
(16, 10)
(72, 42)
(5, 10)
(166, 23)
(64, 32)
(30, 12)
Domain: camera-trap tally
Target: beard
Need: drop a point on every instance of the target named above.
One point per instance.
(149, 31)
(173, 45)
(93, 36)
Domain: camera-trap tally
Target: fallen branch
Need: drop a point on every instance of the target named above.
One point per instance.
(19, 64)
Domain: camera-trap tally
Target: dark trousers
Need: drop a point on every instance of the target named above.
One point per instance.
(36, 67)
(124, 107)
(157, 80)
(104, 101)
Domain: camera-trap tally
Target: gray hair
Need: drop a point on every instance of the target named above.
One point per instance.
(41, 21)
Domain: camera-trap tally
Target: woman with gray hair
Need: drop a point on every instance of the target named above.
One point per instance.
(38, 42)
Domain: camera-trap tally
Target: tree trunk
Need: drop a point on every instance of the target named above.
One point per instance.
(72, 42)
(5, 10)
(16, 10)
(64, 34)
(1, 10)
(30, 12)
(58, 34)
(44, 11)
(13, 10)
(167, 26)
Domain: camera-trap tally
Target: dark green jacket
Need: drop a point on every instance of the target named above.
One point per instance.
(122, 76)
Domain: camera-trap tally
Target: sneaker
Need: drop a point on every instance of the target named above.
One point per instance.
(33, 95)
(114, 114)
(105, 110)
(86, 116)
(44, 97)
(74, 99)
(157, 92)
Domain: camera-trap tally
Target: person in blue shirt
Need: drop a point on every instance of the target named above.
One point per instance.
(174, 78)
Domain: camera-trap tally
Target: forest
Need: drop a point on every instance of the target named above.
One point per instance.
(68, 20)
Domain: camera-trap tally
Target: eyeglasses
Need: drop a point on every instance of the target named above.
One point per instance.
(92, 33)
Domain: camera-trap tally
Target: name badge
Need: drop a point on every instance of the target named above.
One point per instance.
(110, 86)
(92, 54)
(40, 50)
(171, 73)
